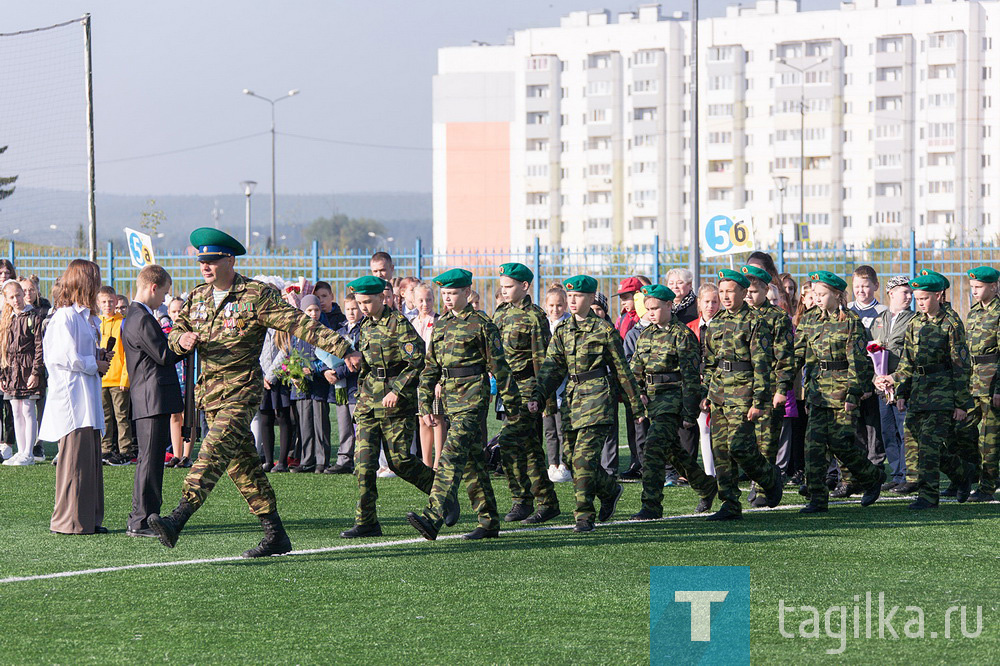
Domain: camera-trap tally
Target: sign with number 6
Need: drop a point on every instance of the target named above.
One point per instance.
(727, 233)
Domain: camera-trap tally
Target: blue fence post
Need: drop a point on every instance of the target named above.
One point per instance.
(536, 252)
(111, 263)
(656, 258)
(315, 258)
(418, 259)
(10, 254)
(913, 252)
(781, 251)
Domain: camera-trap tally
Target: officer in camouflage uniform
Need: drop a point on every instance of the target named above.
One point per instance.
(933, 378)
(465, 349)
(667, 368)
(738, 376)
(832, 352)
(524, 330)
(984, 347)
(226, 319)
(392, 357)
(587, 350)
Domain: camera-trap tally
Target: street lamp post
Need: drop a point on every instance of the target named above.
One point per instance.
(248, 186)
(781, 182)
(272, 102)
(372, 234)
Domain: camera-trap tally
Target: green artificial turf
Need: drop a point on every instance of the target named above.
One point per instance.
(532, 596)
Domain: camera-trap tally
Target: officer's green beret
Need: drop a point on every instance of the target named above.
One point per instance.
(829, 279)
(213, 244)
(583, 284)
(456, 278)
(517, 271)
(931, 282)
(927, 271)
(368, 285)
(984, 274)
(658, 291)
(759, 273)
(735, 276)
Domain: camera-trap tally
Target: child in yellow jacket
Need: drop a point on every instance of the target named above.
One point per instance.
(115, 386)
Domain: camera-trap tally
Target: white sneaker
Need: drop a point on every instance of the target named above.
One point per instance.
(564, 474)
(5, 451)
(20, 460)
(386, 473)
(553, 474)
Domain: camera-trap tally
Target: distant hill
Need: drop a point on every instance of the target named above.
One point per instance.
(405, 216)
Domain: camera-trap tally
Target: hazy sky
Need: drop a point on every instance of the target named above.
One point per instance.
(169, 75)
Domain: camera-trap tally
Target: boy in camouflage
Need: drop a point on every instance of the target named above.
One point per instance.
(984, 347)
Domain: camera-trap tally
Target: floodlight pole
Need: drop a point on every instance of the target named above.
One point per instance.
(91, 196)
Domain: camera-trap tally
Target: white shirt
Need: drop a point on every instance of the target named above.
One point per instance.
(74, 385)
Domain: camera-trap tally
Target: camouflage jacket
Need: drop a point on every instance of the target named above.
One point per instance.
(826, 339)
(232, 335)
(783, 350)
(983, 331)
(742, 338)
(461, 340)
(389, 344)
(524, 331)
(589, 346)
(934, 372)
(669, 350)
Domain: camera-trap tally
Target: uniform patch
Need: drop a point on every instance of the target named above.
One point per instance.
(408, 348)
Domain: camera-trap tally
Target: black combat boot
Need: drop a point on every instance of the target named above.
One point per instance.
(519, 512)
(167, 529)
(275, 541)
(705, 503)
(873, 491)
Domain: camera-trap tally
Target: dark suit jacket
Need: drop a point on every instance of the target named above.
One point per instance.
(155, 388)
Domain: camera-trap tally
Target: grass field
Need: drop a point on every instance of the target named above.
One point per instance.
(532, 596)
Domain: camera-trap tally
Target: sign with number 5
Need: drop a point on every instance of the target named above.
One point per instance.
(727, 233)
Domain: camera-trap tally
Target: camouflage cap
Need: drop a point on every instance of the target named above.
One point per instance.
(927, 271)
(658, 291)
(456, 278)
(517, 271)
(735, 276)
(984, 274)
(583, 284)
(897, 281)
(214, 244)
(932, 282)
(368, 285)
(829, 279)
(755, 272)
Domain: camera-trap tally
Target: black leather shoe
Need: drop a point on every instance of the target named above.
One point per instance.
(804, 491)
(759, 502)
(892, 485)
(951, 491)
(275, 541)
(339, 469)
(518, 512)
(963, 490)
(609, 505)
(813, 507)
(873, 493)
(645, 514)
(772, 495)
(980, 496)
(584, 526)
(141, 532)
(303, 470)
(705, 503)
(359, 531)
(922, 504)
(632, 475)
(100, 529)
(277, 469)
(422, 525)
(725, 514)
(185, 462)
(452, 512)
(542, 515)
(481, 533)
(907, 488)
(844, 490)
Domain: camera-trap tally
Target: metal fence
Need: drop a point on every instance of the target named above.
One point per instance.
(608, 266)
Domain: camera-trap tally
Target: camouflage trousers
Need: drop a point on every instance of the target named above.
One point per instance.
(229, 447)
(989, 444)
(462, 455)
(831, 432)
(928, 432)
(957, 442)
(768, 431)
(663, 447)
(590, 480)
(734, 445)
(524, 461)
(397, 432)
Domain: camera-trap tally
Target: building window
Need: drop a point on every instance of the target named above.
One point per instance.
(640, 197)
(599, 169)
(645, 57)
(892, 160)
(538, 144)
(599, 61)
(598, 223)
(891, 103)
(941, 187)
(536, 224)
(641, 223)
(538, 91)
(538, 118)
(720, 137)
(720, 166)
(538, 63)
(941, 72)
(720, 194)
(645, 86)
(889, 74)
(723, 110)
(888, 189)
(645, 113)
(942, 40)
(940, 217)
(940, 159)
(537, 198)
(598, 88)
(537, 170)
(720, 53)
(941, 100)
(597, 116)
(599, 197)
(644, 167)
(890, 44)
(644, 140)
(598, 143)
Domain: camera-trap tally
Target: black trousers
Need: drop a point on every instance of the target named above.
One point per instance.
(153, 437)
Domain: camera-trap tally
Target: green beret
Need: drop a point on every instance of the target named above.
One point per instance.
(368, 285)
(984, 274)
(927, 271)
(829, 279)
(456, 278)
(517, 271)
(583, 284)
(213, 244)
(734, 276)
(658, 291)
(932, 282)
(759, 273)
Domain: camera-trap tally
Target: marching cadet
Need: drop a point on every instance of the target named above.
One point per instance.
(667, 369)
(226, 319)
(465, 349)
(838, 372)
(983, 331)
(781, 359)
(933, 383)
(738, 377)
(392, 358)
(587, 350)
(524, 330)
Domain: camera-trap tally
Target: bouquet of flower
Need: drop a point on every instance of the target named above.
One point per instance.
(880, 360)
(296, 371)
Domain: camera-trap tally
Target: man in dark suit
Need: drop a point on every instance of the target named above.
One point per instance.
(156, 393)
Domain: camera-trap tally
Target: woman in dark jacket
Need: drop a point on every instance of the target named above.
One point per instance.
(22, 373)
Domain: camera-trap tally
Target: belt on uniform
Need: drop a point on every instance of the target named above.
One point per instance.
(462, 371)
(930, 369)
(521, 375)
(591, 374)
(983, 359)
(833, 365)
(390, 372)
(736, 366)
(663, 378)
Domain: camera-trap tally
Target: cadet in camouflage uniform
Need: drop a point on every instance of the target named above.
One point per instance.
(587, 350)
(667, 368)
(392, 358)
(933, 378)
(465, 349)
(832, 351)
(984, 347)
(524, 330)
(738, 376)
(226, 319)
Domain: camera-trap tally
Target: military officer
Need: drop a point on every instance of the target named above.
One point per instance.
(983, 332)
(226, 319)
